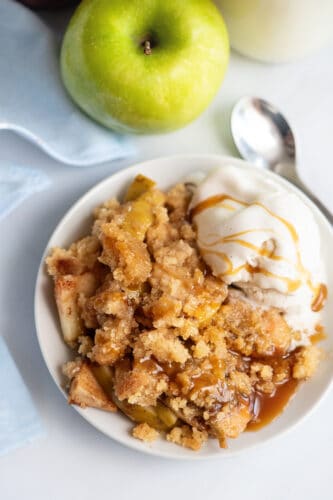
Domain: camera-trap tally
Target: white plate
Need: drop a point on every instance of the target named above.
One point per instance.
(76, 223)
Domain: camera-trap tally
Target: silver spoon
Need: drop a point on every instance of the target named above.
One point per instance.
(263, 137)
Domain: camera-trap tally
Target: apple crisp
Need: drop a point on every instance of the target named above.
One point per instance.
(157, 336)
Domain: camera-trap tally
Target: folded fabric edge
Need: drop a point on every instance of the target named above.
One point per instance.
(28, 425)
(33, 181)
(117, 151)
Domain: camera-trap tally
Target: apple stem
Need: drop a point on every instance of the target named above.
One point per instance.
(147, 48)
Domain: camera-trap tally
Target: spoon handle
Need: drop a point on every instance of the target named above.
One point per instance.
(298, 183)
(288, 170)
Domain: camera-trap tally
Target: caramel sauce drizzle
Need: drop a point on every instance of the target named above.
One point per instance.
(264, 407)
(319, 298)
(319, 335)
(292, 285)
(212, 201)
(319, 292)
(267, 407)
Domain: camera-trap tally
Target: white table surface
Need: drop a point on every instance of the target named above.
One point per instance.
(74, 460)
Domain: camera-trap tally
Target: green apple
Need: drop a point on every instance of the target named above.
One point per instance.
(144, 65)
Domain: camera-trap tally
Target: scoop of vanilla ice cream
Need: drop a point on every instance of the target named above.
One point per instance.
(256, 235)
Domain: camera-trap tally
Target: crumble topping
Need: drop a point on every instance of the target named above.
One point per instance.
(189, 437)
(145, 433)
(158, 336)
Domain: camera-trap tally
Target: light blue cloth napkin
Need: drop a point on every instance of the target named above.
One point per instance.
(19, 422)
(17, 184)
(33, 101)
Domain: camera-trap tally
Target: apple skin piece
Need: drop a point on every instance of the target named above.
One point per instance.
(144, 66)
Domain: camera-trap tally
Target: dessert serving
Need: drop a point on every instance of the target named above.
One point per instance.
(193, 311)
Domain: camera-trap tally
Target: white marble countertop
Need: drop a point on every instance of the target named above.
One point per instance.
(74, 460)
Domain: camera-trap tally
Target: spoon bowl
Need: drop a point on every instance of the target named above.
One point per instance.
(261, 133)
(263, 136)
